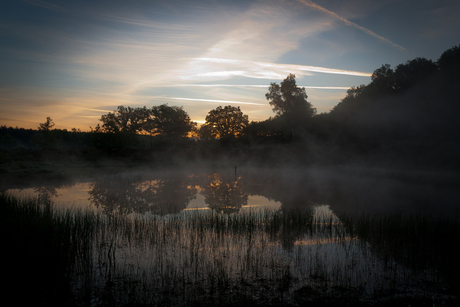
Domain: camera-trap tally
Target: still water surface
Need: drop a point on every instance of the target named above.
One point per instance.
(287, 231)
(227, 191)
(153, 193)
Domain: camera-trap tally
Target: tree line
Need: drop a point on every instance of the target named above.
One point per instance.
(289, 102)
(173, 122)
(414, 106)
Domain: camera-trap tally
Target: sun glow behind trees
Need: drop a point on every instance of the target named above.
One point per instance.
(71, 62)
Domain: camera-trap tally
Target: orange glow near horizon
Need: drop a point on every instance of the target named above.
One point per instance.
(74, 63)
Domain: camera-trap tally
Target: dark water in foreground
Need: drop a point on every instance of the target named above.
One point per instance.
(297, 236)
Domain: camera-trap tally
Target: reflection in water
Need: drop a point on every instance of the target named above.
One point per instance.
(345, 191)
(45, 194)
(162, 196)
(290, 225)
(296, 249)
(224, 194)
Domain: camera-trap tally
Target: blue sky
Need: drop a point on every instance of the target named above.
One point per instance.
(76, 60)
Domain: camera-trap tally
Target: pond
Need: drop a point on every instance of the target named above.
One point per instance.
(278, 236)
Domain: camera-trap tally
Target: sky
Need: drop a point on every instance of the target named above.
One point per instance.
(77, 60)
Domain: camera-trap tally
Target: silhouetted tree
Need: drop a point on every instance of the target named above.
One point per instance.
(278, 129)
(289, 99)
(15, 137)
(290, 103)
(350, 103)
(119, 128)
(169, 121)
(160, 120)
(449, 62)
(382, 81)
(387, 81)
(46, 138)
(125, 119)
(116, 135)
(412, 72)
(205, 132)
(46, 126)
(225, 122)
(407, 112)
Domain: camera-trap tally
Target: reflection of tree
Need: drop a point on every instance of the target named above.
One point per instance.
(117, 195)
(293, 220)
(170, 195)
(224, 194)
(290, 225)
(45, 194)
(162, 196)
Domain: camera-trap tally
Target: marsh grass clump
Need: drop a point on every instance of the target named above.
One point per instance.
(203, 257)
(42, 246)
(426, 245)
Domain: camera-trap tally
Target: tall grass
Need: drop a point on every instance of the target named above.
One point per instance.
(424, 244)
(43, 248)
(260, 256)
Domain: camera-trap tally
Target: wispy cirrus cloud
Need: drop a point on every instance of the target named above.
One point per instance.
(93, 11)
(217, 68)
(95, 55)
(216, 100)
(315, 6)
(250, 86)
(47, 5)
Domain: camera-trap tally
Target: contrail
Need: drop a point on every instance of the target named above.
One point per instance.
(285, 67)
(350, 23)
(214, 100)
(250, 85)
(89, 109)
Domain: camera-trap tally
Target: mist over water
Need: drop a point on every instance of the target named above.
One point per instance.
(289, 235)
(231, 189)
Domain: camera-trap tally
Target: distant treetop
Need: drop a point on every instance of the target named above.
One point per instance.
(289, 99)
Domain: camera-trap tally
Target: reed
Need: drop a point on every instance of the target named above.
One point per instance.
(420, 242)
(259, 256)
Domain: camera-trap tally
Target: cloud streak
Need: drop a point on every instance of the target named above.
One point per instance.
(249, 86)
(215, 100)
(350, 23)
(75, 61)
(220, 68)
(102, 15)
(206, 69)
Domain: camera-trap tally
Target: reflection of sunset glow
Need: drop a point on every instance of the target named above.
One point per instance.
(77, 196)
(85, 60)
(243, 207)
(323, 241)
(191, 209)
